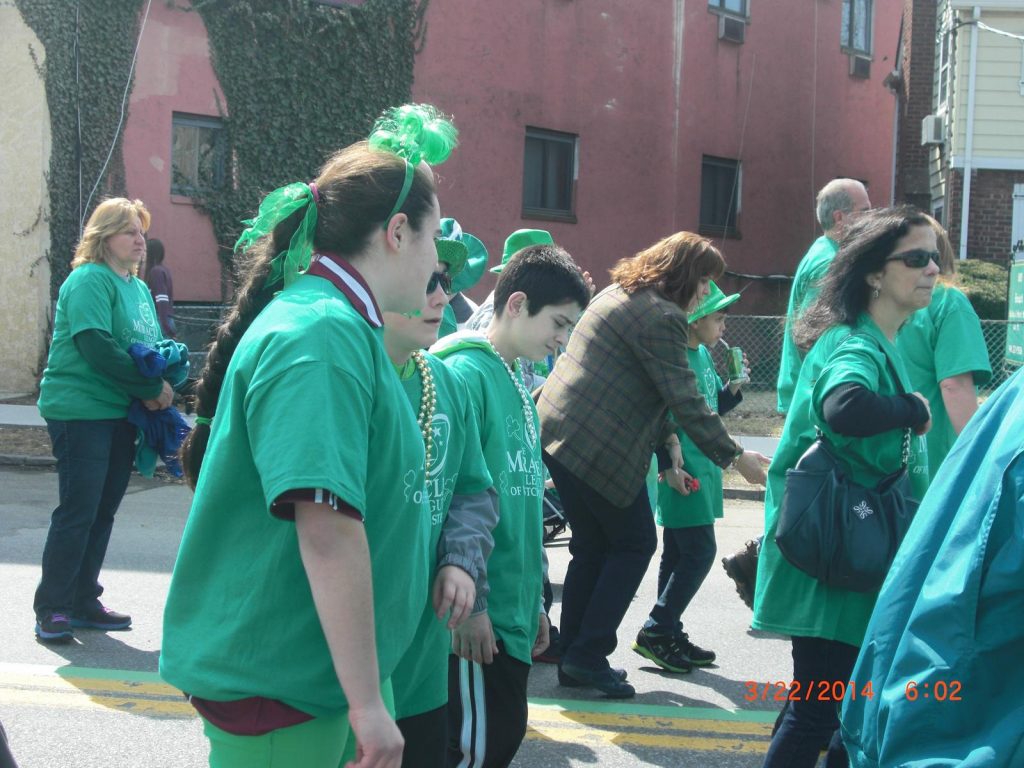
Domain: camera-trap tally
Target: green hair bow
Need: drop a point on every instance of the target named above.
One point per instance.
(275, 208)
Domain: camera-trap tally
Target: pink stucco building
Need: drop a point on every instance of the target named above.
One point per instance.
(611, 123)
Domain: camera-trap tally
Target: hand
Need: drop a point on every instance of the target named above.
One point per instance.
(590, 283)
(920, 430)
(161, 401)
(750, 464)
(474, 639)
(543, 636)
(675, 454)
(379, 743)
(454, 591)
(679, 481)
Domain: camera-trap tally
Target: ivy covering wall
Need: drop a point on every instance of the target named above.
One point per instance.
(85, 104)
(300, 79)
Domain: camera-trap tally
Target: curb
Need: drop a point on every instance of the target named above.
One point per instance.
(743, 494)
(17, 460)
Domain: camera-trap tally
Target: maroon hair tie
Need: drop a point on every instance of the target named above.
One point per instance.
(314, 191)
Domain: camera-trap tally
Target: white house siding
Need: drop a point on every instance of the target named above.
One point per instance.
(24, 215)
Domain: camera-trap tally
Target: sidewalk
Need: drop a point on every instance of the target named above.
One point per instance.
(28, 416)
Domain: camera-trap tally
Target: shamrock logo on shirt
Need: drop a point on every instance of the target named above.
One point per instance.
(441, 429)
(410, 478)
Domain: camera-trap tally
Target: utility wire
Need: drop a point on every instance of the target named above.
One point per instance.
(120, 122)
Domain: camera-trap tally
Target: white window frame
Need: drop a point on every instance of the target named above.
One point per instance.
(718, 7)
(845, 44)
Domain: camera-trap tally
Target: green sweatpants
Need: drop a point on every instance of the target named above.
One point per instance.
(317, 743)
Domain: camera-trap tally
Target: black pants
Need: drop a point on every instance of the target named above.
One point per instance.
(426, 739)
(486, 711)
(686, 558)
(808, 724)
(611, 548)
(94, 464)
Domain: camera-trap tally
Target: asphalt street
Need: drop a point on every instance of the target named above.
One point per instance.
(99, 702)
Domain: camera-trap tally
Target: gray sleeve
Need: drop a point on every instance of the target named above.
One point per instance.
(467, 538)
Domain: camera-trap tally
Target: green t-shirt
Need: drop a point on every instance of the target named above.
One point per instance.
(309, 400)
(457, 467)
(514, 569)
(94, 297)
(704, 506)
(787, 600)
(937, 342)
(811, 269)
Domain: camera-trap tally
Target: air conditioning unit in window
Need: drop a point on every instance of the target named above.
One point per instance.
(731, 29)
(860, 67)
(932, 130)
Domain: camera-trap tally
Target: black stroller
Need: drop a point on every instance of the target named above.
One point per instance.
(554, 516)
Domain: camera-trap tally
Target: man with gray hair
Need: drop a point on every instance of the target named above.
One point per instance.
(837, 202)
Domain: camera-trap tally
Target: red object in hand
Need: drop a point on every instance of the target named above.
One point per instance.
(692, 484)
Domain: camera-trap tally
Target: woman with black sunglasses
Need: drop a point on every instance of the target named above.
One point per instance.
(854, 388)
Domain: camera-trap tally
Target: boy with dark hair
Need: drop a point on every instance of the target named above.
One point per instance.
(539, 297)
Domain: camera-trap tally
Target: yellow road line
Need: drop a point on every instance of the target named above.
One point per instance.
(28, 685)
(597, 737)
(558, 716)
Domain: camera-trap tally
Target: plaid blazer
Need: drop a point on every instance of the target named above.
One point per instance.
(604, 409)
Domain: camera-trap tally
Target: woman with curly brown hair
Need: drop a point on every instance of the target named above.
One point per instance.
(604, 411)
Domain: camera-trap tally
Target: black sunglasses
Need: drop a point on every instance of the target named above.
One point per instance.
(915, 259)
(440, 278)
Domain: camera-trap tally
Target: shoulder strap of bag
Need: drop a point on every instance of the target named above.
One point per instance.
(905, 457)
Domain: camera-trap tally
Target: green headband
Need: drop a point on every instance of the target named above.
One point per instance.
(416, 133)
(275, 208)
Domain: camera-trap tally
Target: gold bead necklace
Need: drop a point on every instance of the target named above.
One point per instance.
(428, 404)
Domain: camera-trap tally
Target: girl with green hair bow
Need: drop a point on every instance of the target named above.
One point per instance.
(274, 622)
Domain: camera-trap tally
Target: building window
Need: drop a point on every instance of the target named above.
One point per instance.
(198, 153)
(549, 174)
(735, 7)
(719, 196)
(856, 28)
(943, 68)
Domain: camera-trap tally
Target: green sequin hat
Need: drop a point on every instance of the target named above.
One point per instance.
(715, 301)
(468, 255)
(522, 238)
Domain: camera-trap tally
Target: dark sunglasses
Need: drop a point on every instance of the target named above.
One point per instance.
(916, 259)
(440, 278)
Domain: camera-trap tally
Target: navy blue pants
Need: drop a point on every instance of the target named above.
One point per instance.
(94, 463)
(808, 725)
(686, 558)
(611, 548)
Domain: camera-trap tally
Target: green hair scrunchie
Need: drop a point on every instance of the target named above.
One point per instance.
(416, 133)
(275, 208)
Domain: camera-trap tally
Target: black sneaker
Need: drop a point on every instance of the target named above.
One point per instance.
(54, 628)
(607, 681)
(101, 617)
(699, 657)
(742, 569)
(663, 650)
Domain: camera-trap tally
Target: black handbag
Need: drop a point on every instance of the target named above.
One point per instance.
(843, 534)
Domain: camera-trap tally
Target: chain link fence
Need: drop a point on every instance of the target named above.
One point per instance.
(760, 338)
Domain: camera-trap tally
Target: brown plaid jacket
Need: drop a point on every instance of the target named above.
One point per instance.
(604, 408)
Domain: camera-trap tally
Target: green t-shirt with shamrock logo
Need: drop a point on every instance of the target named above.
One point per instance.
(456, 466)
(94, 297)
(310, 400)
(513, 456)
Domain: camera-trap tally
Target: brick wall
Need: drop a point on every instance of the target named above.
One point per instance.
(915, 102)
(991, 214)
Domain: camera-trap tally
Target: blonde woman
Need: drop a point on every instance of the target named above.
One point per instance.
(89, 382)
